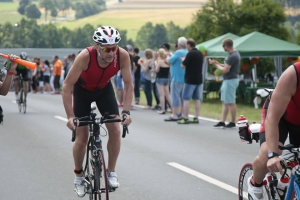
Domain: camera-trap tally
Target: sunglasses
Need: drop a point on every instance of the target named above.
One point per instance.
(107, 49)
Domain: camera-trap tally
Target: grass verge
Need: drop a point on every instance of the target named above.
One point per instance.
(212, 108)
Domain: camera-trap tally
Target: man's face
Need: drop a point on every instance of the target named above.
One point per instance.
(224, 47)
(107, 52)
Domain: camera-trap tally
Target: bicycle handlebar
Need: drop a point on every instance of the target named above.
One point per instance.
(83, 121)
(294, 152)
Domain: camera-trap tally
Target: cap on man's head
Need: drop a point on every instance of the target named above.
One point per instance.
(165, 45)
(129, 47)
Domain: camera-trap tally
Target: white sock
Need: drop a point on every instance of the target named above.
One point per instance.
(78, 180)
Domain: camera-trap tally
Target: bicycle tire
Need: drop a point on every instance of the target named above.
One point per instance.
(21, 99)
(101, 180)
(246, 172)
(294, 195)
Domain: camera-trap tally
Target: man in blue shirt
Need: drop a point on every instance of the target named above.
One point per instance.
(177, 79)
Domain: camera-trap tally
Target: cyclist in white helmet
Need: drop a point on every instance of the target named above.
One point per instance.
(89, 80)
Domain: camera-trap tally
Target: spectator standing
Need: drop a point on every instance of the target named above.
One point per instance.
(47, 76)
(166, 47)
(162, 69)
(177, 79)
(146, 67)
(154, 87)
(230, 70)
(193, 86)
(40, 75)
(137, 75)
(57, 70)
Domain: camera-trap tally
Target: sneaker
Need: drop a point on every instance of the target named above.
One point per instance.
(161, 112)
(156, 108)
(80, 188)
(219, 125)
(170, 119)
(254, 193)
(183, 121)
(230, 125)
(113, 179)
(194, 121)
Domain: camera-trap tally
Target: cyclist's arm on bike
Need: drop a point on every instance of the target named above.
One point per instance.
(281, 96)
(80, 64)
(128, 85)
(5, 85)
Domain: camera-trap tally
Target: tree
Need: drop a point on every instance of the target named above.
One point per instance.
(298, 38)
(65, 37)
(143, 36)
(64, 5)
(174, 32)
(216, 17)
(54, 12)
(47, 5)
(268, 17)
(31, 11)
(52, 37)
(158, 36)
(22, 5)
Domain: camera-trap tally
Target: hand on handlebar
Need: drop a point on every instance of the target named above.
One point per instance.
(126, 120)
(274, 165)
(70, 123)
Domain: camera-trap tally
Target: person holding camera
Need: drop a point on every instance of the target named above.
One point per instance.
(230, 70)
(5, 85)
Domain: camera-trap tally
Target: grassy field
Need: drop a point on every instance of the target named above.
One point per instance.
(212, 108)
(130, 20)
(133, 20)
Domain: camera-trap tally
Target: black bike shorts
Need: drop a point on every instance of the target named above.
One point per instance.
(104, 98)
(285, 128)
(24, 73)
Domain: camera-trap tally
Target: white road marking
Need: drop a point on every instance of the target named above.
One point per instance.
(61, 118)
(204, 177)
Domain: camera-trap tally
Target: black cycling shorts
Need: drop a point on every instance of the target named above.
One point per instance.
(24, 73)
(285, 128)
(104, 98)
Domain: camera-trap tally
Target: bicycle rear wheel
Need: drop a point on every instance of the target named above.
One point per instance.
(101, 180)
(245, 173)
(21, 100)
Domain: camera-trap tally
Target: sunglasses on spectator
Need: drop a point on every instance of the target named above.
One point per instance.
(109, 49)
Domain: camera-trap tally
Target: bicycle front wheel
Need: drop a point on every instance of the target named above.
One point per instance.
(246, 172)
(294, 196)
(21, 100)
(101, 180)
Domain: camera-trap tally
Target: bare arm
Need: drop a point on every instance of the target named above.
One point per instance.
(79, 65)
(5, 85)
(126, 74)
(285, 89)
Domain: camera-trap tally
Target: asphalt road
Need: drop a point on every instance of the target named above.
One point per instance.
(158, 160)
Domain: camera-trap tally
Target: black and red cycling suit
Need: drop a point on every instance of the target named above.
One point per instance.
(94, 85)
(289, 123)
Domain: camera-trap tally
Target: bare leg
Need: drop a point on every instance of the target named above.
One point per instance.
(186, 108)
(224, 111)
(197, 107)
(161, 93)
(233, 112)
(113, 145)
(167, 94)
(79, 147)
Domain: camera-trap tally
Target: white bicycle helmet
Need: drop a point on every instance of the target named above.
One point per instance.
(106, 35)
(23, 55)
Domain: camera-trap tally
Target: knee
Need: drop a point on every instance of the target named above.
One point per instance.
(80, 144)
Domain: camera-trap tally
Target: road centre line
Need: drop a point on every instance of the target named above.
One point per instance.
(61, 118)
(204, 177)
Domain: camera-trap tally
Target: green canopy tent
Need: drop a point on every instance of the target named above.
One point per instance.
(259, 44)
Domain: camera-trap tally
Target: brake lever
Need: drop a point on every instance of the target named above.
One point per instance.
(125, 128)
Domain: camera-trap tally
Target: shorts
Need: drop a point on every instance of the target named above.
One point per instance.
(176, 90)
(191, 91)
(119, 82)
(46, 79)
(228, 90)
(285, 128)
(104, 98)
(162, 81)
(24, 73)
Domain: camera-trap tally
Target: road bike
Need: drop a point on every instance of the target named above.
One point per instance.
(21, 97)
(290, 164)
(96, 180)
